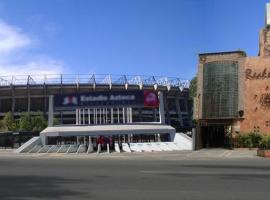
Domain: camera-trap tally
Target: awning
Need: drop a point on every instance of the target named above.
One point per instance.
(109, 129)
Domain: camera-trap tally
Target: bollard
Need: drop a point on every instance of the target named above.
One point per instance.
(99, 148)
(108, 148)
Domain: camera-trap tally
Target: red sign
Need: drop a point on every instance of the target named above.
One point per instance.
(150, 99)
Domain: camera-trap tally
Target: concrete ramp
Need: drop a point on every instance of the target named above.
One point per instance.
(155, 147)
(116, 147)
(35, 149)
(54, 149)
(90, 148)
(164, 146)
(183, 141)
(82, 148)
(147, 147)
(28, 145)
(134, 147)
(73, 148)
(45, 149)
(126, 147)
(63, 148)
(172, 146)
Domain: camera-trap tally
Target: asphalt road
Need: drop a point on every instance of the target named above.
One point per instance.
(57, 178)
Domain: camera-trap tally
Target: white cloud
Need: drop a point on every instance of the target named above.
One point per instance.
(11, 38)
(16, 57)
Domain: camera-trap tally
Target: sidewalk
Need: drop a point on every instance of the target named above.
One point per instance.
(172, 155)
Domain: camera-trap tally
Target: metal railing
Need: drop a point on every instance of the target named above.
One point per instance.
(95, 79)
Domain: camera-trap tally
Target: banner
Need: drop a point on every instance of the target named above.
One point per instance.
(106, 99)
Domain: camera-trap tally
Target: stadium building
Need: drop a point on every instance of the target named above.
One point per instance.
(100, 109)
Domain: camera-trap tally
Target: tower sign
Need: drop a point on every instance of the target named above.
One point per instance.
(267, 21)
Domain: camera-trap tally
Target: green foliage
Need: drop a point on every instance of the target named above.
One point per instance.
(265, 142)
(38, 123)
(250, 140)
(2, 126)
(9, 122)
(25, 122)
(193, 87)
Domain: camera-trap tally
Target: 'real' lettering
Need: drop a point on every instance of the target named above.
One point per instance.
(248, 74)
(251, 75)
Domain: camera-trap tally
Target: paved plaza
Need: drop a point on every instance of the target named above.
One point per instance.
(205, 174)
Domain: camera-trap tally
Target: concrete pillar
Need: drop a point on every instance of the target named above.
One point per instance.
(108, 148)
(131, 120)
(28, 99)
(89, 117)
(99, 148)
(118, 115)
(13, 101)
(178, 109)
(50, 115)
(43, 139)
(123, 109)
(161, 108)
(83, 115)
(112, 119)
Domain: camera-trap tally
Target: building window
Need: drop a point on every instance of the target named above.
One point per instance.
(220, 89)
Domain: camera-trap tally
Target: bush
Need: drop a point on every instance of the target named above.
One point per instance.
(265, 142)
(250, 140)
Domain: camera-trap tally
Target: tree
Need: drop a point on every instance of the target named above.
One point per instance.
(193, 88)
(39, 122)
(9, 121)
(25, 122)
(2, 126)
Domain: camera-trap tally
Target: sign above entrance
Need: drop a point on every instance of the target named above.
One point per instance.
(106, 99)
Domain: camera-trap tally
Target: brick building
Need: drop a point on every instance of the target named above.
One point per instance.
(233, 93)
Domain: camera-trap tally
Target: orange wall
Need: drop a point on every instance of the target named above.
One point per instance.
(256, 88)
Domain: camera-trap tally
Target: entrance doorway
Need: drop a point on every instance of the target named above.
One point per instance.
(216, 136)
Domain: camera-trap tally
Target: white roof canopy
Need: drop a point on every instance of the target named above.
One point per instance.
(111, 129)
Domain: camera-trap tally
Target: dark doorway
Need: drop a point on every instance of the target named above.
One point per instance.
(215, 136)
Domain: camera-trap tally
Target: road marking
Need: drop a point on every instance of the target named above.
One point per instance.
(204, 173)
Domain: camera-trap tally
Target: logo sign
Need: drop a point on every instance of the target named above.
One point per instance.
(251, 75)
(106, 99)
(150, 99)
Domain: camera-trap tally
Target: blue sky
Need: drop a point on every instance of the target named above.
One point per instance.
(151, 37)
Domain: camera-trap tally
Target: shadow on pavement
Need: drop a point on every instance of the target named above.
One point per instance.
(26, 187)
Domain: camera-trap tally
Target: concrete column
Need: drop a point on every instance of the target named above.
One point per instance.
(80, 119)
(131, 115)
(112, 119)
(83, 115)
(179, 110)
(161, 108)
(43, 139)
(50, 115)
(118, 115)
(28, 100)
(124, 119)
(89, 118)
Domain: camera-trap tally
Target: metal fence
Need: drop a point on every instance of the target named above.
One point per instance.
(94, 79)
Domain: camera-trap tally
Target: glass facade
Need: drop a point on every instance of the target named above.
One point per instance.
(220, 89)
